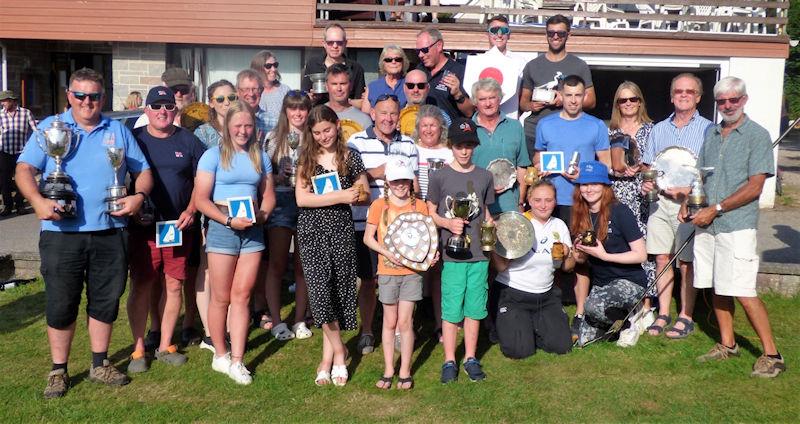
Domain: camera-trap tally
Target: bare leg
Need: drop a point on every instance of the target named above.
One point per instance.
(244, 279)
(366, 304)
(581, 289)
(449, 334)
(221, 269)
(173, 292)
(155, 307)
(99, 335)
(327, 354)
(436, 293)
(471, 328)
(202, 290)
(279, 239)
(723, 310)
(688, 295)
(389, 326)
(60, 340)
(405, 323)
(190, 304)
(138, 307)
(664, 290)
(759, 319)
(300, 288)
(334, 338)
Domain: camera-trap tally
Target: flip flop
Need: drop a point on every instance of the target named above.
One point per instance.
(660, 328)
(385, 383)
(407, 380)
(681, 333)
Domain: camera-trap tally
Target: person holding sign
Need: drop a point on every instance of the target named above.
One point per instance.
(325, 235)
(238, 167)
(173, 154)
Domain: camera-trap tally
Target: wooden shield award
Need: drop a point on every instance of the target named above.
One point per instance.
(413, 240)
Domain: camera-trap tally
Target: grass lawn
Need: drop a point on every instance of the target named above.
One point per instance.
(656, 381)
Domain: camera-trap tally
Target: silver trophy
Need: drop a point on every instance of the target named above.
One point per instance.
(56, 142)
(293, 139)
(116, 155)
(434, 165)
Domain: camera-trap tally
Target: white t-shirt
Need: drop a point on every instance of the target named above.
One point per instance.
(426, 153)
(533, 273)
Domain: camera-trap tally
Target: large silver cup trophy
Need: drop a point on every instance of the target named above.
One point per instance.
(116, 155)
(56, 142)
(464, 208)
(293, 139)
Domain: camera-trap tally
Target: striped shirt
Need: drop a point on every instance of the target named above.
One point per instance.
(666, 134)
(15, 129)
(375, 153)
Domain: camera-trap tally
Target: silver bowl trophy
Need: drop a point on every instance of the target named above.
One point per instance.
(116, 155)
(464, 208)
(293, 139)
(318, 83)
(697, 197)
(434, 165)
(56, 142)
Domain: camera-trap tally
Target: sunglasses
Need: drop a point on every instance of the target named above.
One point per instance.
(157, 106)
(560, 34)
(269, 66)
(419, 85)
(425, 50)
(332, 43)
(183, 89)
(689, 91)
(231, 98)
(623, 100)
(499, 30)
(393, 59)
(733, 100)
(297, 93)
(383, 97)
(80, 95)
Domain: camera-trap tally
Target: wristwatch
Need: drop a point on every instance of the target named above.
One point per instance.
(228, 222)
(718, 207)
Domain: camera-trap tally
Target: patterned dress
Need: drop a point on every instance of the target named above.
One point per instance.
(626, 190)
(326, 241)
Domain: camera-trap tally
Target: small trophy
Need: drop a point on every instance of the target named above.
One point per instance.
(488, 236)
(589, 238)
(116, 155)
(572, 168)
(318, 83)
(697, 197)
(293, 139)
(56, 142)
(463, 208)
(557, 252)
(434, 165)
(650, 175)
(531, 176)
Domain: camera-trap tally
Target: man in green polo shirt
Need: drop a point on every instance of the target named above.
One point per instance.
(740, 152)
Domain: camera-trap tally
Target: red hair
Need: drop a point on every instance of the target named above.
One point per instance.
(580, 213)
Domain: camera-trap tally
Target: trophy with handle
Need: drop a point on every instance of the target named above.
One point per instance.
(293, 139)
(56, 142)
(116, 155)
(464, 208)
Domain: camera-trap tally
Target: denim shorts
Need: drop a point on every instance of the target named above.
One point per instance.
(285, 212)
(221, 239)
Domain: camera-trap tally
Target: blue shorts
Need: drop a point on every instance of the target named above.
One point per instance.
(221, 239)
(285, 212)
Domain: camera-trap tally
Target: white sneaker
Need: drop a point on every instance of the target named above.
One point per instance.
(221, 363)
(239, 373)
(205, 343)
(646, 319)
(628, 337)
(301, 331)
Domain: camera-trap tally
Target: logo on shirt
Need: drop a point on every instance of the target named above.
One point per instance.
(178, 154)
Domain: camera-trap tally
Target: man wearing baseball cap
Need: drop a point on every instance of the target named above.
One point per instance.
(465, 275)
(16, 126)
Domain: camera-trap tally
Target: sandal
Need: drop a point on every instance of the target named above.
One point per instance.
(385, 383)
(339, 372)
(282, 332)
(366, 344)
(659, 328)
(265, 322)
(681, 333)
(402, 382)
(323, 378)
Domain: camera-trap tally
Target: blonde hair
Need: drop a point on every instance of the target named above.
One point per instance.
(226, 149)
(642, 116)
(389, 48)
(133, 101)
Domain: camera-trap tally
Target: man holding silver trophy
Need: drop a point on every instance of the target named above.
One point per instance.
(81, 242)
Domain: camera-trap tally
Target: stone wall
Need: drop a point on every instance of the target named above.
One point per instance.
(136, 67)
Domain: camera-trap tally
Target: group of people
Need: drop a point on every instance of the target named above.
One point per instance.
(330, 201)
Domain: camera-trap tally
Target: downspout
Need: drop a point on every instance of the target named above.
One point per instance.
(4, 71)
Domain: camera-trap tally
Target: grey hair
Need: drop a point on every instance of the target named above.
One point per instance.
(486, 84)
(434, 33)
(430, 111)
(730, 84)
(691, 76)
(251, 75)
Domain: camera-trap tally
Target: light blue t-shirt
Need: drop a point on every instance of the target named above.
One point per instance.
(586, 135)
(240, 179)
(90, 170)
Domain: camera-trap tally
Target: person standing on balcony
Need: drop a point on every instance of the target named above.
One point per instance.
(548, 71)
(16, 126)
(444, 74)
(392, 68)
(178, 80)
(335, 44)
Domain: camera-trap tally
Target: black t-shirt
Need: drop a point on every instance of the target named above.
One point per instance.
(440, 92)
(622, 229)
(173, 162)
(316, 65)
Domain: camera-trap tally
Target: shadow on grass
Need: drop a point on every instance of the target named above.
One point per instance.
(21, 312)
(706, 321)
(269, 349)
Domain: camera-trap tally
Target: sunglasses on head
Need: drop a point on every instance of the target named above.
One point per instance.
(425, 50)
(560, 34)
(419, 85)
(501, 30)
(297, 93)
(393, 59)
(231, 98)
(623, 100)
(157, 106)
(269, 66)
(383, 97)
(332, 43)
(733, 100)
(183, 89)
(80, 95)
(689, 91)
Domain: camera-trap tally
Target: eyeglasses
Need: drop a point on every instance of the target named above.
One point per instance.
(689, 91)
(560, 34)
(250, 89)
(332, 43)
(393, 59)
(425, 50)
(383, 97)
(501, 30)
(182, 89)
(622, 100)
(297, 93)
(231, 98)
(269, 66)
(733, 100)
(157, 106)
(419, 85)
(80, 95)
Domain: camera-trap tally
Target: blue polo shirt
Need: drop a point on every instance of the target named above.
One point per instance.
(507, 142)
(379, 87)
(90, 170)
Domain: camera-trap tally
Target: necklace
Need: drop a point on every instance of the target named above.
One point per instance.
(592, 221)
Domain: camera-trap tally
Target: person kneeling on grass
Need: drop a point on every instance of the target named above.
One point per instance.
(615, 258)
(529, 311)
(464, 276)
(399, 287)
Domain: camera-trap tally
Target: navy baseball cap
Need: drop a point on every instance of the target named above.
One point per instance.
(593, 172)
(160, 94)
(461, 131)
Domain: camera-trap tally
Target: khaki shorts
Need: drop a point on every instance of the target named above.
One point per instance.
(665, 234)
(393, 288)
(728, 262)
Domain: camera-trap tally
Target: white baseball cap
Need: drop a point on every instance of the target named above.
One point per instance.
(399, 168)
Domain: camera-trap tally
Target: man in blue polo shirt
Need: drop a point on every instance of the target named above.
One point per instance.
(90, 249)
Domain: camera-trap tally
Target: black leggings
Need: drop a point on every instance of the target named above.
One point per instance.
(527, 321)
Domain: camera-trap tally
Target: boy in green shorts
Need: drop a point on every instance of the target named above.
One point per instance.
(464, 275)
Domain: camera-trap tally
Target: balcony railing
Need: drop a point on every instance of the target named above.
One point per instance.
(705, 16)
